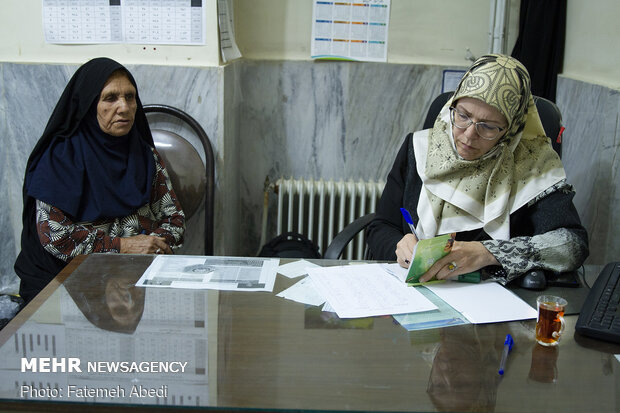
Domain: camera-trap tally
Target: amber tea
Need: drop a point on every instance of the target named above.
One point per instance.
(550, 322)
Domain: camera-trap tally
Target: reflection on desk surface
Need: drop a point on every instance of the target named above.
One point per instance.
(130, 345)
(259, 351)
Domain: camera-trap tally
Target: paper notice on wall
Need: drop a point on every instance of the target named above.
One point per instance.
(173, 22)
(228, 44)
(350, 30)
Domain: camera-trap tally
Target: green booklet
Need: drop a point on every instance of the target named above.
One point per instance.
(426, 252)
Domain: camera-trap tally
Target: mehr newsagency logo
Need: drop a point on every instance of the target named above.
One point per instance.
(74, 365)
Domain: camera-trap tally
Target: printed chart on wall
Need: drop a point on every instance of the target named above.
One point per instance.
(228, 44)
(174, 22)
(350, 30)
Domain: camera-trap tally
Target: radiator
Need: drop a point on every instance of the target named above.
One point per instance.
(321, 209)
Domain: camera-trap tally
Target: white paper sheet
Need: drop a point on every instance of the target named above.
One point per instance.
(295, 269)
(303, 292)
(217, 273)
(328, 308)
(366, 290)
(483, 303)
(396, 270)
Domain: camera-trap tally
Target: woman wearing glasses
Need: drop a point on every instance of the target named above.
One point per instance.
(486, 171)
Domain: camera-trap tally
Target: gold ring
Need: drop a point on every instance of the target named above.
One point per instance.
(452, 266)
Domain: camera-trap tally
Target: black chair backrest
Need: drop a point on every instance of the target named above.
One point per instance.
(192, 180)
(551, 119)
(339, 243)
(433, 110)
(550, 116)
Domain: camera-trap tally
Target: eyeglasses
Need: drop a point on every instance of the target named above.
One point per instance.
(483, 129)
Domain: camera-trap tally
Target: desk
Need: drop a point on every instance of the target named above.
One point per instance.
(255, 350)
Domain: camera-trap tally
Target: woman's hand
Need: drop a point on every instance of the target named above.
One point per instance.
(404, 250)
(465, 257)
(144, 244)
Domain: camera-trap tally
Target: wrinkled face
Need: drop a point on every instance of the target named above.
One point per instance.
(116, 109)
(467, 141)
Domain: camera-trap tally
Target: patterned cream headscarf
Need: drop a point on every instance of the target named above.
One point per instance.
(461, 195)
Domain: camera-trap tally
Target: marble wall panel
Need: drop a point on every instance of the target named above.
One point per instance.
(331, 120)
(233, 228)
(591, 156)
(30, 93)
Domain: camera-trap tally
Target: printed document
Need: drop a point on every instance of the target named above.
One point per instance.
(217, 273)
(366, 290)
(178, 22)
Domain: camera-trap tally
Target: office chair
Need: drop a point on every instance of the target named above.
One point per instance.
(192, 178)
(550, 117)
(339, 243)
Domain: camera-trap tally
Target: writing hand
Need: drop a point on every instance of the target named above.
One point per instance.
(464, 258)
(144, 244)
(404, 250)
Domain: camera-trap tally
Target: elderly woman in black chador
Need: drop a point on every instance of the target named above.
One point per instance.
(94, 181)
(487, 172)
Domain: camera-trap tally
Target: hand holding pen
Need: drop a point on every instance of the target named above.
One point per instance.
(409, 221)
(404, 248)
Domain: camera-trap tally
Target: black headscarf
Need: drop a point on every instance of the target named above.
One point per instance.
(81, 170)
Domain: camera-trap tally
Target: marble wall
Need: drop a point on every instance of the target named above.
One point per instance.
(29, 93)
(332, 120)
(591, 155)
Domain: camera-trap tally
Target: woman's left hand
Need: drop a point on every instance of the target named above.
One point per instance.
(465, 257)
(144, 244)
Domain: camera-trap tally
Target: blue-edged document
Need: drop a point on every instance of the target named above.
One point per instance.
(487, 302)
(443, 316)
(462, 303)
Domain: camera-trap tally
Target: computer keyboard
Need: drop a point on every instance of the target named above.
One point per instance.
(600, 314)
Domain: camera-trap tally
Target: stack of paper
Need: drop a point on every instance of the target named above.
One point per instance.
(366, 290)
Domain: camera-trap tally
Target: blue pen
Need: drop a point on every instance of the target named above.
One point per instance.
(507, 347)
(409, 221)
